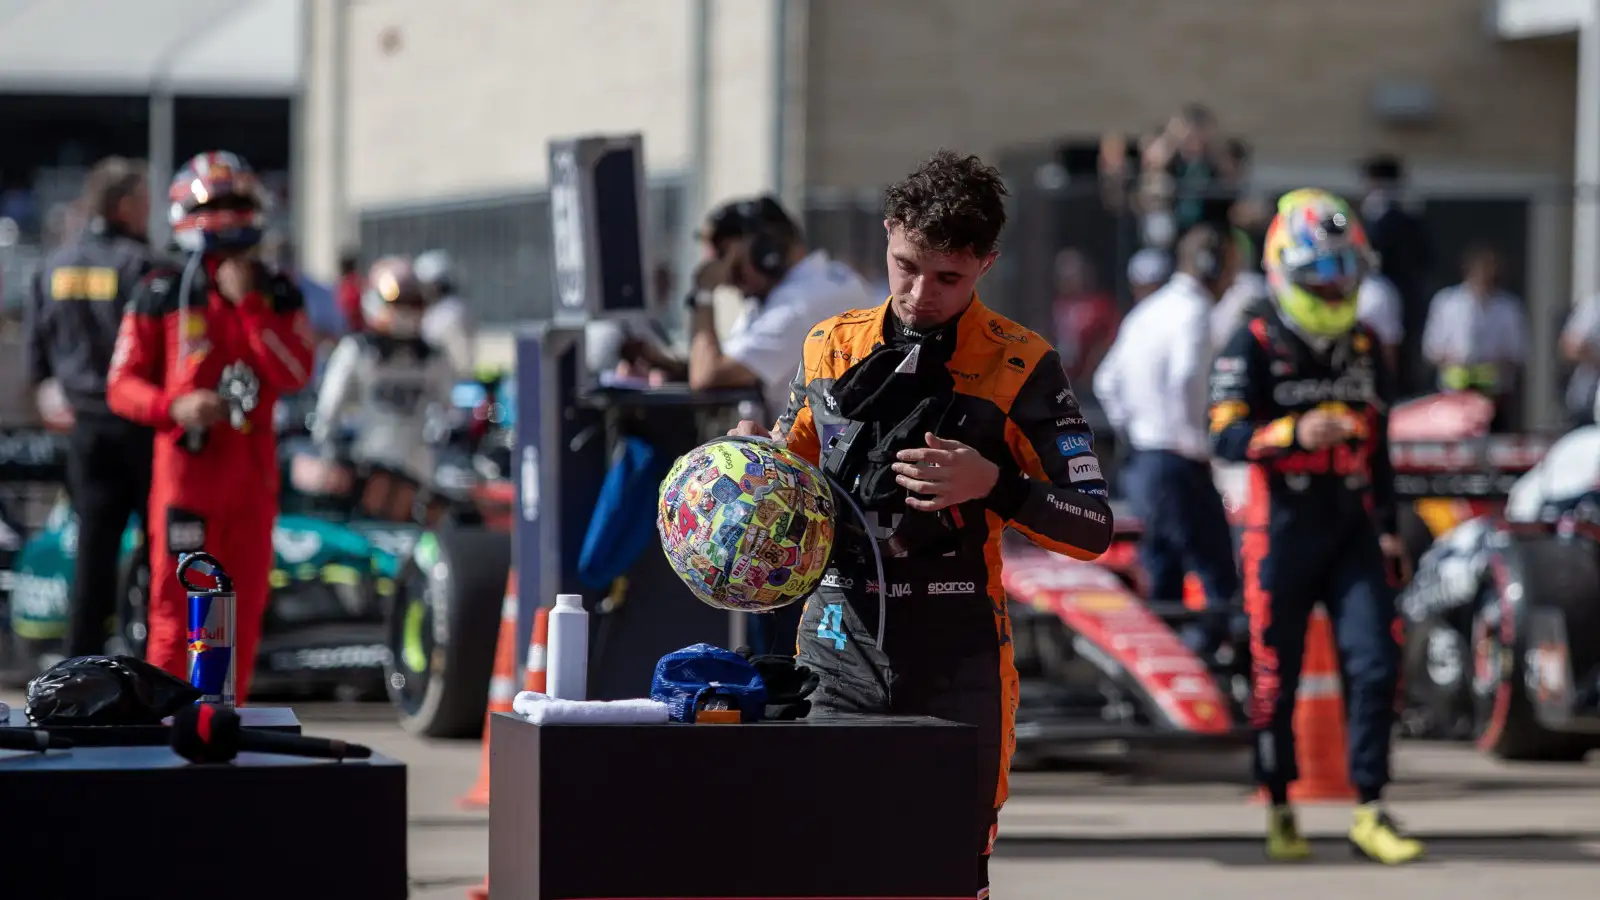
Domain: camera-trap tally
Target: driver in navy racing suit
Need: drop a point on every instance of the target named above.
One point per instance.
(1301, 393)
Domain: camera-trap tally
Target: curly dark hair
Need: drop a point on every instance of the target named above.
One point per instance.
(949, 204)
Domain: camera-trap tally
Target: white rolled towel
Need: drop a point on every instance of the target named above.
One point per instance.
(542, 709)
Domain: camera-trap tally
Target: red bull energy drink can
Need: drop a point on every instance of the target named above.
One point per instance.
(211, 629)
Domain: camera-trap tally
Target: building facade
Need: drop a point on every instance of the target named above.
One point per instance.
(411, 102)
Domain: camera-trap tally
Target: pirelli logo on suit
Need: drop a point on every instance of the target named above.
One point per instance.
(96, 284)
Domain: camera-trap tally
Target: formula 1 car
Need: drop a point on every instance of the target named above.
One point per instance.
(442, 624)
(1099, 663)
(1503, 618)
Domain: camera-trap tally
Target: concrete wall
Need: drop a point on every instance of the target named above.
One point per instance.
(891, 80)
(455, 99)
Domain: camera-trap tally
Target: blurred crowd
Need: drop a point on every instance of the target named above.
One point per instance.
(1472, 334)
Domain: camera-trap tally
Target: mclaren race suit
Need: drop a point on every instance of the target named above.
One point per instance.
(397, 385)
(219, 493)
(945, 647)
(1311, 530)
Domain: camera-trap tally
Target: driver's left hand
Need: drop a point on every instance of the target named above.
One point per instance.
(1394, 551)
(949, 472)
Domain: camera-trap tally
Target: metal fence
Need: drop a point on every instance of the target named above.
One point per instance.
(502, 246)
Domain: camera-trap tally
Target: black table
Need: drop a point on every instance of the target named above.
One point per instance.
(141, 822)
(824, 807)
(268, 718)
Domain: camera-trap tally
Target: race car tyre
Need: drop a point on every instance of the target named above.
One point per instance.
(442, 628)
(133, 601)
(1547, 572)
(1438, 691)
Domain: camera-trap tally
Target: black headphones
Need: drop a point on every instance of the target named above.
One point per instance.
(765, 223)
(1208, 255)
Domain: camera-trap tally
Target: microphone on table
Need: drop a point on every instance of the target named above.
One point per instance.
(211, 733)
(32, 739)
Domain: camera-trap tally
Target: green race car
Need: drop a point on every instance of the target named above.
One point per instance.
(361, 605)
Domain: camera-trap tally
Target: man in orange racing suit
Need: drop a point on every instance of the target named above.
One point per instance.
(947, 423)
(1301, 393)
(202, 357)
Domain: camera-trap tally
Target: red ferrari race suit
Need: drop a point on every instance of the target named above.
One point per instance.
(222, 497)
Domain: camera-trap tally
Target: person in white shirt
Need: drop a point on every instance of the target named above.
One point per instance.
(1378, 307)
(1476, 333)
(1247, 293)
(756, 248)
(1153, 386)
(1580, 346)
(447, 325)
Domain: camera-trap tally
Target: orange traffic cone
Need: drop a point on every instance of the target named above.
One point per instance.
(479, 892)
(1321, 750)
(502, 689)
(538, 652)
(1194, 593)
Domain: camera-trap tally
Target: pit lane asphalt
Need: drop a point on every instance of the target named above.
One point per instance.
(1109, 825)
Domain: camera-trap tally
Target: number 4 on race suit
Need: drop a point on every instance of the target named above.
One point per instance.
(832, 625)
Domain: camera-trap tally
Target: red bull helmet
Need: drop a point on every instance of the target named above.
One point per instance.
(1315, 257)
(217, 203)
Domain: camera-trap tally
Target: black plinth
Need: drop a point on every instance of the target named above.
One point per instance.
(141, 822)
(825, 807)
(269, 718)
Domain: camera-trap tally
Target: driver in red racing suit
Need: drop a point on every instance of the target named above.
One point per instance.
(202, 357)
(1302, 395)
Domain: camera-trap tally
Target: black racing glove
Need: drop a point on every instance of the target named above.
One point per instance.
(788, 685)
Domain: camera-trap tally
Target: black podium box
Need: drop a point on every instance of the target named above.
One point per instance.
(142, 822)
(269, 718)
(836, 806)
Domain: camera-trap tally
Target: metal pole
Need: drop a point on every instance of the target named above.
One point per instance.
(345, 231)
(780, 95)
(300, 125)
(1586, 165)
(163, 138)
(698, 178)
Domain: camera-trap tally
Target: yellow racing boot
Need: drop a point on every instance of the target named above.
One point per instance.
(1284, 841)
(1376, 836)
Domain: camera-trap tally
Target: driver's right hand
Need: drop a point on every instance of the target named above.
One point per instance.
(750, 428)
(198, 409)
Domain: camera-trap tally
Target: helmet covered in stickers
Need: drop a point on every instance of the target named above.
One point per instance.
(1315, 256)
(746, 524)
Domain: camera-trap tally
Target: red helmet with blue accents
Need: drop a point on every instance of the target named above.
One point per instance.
(217, 203)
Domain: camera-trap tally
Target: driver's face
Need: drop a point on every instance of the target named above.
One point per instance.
(930, 287)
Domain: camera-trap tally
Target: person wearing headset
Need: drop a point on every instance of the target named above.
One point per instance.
(1152, 386)
(757, 249)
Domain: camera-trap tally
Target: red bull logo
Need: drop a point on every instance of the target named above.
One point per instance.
(215, 634)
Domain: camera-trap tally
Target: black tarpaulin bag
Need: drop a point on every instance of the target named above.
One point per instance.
(893, 397)
(106, 690)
